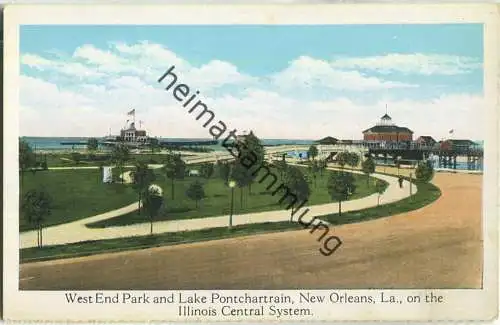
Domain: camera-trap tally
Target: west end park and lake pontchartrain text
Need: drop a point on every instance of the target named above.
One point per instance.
(247, 304)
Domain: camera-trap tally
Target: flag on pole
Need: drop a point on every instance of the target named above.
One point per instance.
(132, 112)
(451, 131)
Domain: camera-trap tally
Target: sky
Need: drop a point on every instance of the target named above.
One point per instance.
(288, 81)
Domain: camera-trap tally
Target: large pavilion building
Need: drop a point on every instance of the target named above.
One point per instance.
(386, 130)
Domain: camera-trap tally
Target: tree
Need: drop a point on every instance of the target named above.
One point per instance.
(224, 170)
(77, 157)
(175, 169)
(314, 170)
(242, 176)
(340, 186)
(154, 144)
(120, 156)
(312, 152)
(26, 158)
(380, 188)
(298, 185)
(251, 154)
(424, 171)
(92, 144)
(36, 206)
(342, 158)
(368, 167)
(352, 159)
(281, 166)
(195, 192)
(322, 164)
(142, 177)
(207, 170)
(152, 203)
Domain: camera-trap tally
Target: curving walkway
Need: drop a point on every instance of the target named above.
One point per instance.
(76, 231)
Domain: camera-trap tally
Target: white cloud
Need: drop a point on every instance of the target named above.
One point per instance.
(418, 63)
(307, 72)
(271, 106)
(73, 69)
(91, 110)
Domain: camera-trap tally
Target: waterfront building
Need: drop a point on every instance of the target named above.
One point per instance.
(386, 131)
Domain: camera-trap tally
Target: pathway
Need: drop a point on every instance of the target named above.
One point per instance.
(76, 231)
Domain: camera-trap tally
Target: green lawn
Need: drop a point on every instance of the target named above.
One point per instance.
(426, 194)
(67, 159)
(218, 197)
(139, 242)
(76, 194)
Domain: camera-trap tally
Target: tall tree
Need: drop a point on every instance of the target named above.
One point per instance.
(312, 152)
(298, 185)
(195, 192)
(242, 176)
(424, 171)
(175, 169)
(281, 166)
(251, 156)
(368, 167)
(154, 145)
(207, 170)
(92, 144)
(142, 177)
(352, 159)
(342, 158)
(314, 170)
(340, 186)
(152, 203)
(224, 170)
(119, 156)
(36, 206)
(26, 158)
(322, 164)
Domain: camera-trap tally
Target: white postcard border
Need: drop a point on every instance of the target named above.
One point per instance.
(50, 305)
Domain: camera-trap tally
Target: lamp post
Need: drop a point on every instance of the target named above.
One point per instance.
(232, 185)
(410, 185)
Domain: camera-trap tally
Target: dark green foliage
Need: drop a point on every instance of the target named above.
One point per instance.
(26, 156)
(207, 170)
(368, 167)
(340, 187)
(92, 144)
(152, 202)
(195, 192)
(342, 158)
(298, 186)
(120, 155)
(312, 152)
(424, 171)
(175, 169)
(77, 157)
(352, 159)
(142, 177)
(224, 170)
(36, 206)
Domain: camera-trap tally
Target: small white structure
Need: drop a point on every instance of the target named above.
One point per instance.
(194, 172)
(107, 174)
(153, 188)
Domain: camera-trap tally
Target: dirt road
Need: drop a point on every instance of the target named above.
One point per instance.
(438, 246)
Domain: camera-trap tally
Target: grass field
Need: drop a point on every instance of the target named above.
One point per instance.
(218, 197)
(67, 159)
(426, 194)
(76, 194)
